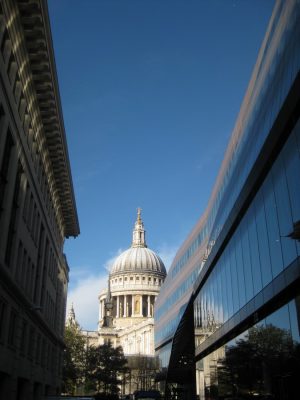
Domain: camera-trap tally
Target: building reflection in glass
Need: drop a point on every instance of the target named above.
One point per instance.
(261, 363)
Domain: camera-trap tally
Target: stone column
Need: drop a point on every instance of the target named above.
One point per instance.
(103, 311)
(148, 304)
(141, 305)
(100, 311)
(118, 307)
(125, 306)
(132, 305)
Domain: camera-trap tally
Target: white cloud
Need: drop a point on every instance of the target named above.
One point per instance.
(84, 297)
(84, 291)
(109, 263)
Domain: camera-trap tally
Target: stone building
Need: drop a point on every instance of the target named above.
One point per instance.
(126, 307)
(37, 205)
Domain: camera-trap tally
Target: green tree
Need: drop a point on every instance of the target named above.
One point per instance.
(106, 368)
(264, 361)
(74, 361)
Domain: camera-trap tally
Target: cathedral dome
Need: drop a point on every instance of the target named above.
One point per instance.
(138, 258)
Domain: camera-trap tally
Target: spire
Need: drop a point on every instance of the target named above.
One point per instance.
(138, 236)
(71, 319)
(108, 306)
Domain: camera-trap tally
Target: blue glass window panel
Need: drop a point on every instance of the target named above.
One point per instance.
(240, 267)
(246, 259)
(212, 285)
(224, 290)
(228, 283)
(291, 156)
(234, 277)
(280, 318)
(216, 297)
(209, 301)
(204, 320)
(272, 227)
(294, 318)
(220, 300)
(283, 211)
(254, 253)
(263, 241)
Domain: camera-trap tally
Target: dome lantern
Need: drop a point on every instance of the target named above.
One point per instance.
(138, 258)
(138, 235)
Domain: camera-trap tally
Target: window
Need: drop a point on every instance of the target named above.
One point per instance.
(2, 115)
(3, 307)
(12, 329)
(38, 349)
(5, 166)
(24, 337)
(13, 216)
(31, 343)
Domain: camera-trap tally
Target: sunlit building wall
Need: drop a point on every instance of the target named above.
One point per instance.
(244, 251)
(37, 206)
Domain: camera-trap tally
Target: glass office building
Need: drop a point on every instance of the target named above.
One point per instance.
(228, 316)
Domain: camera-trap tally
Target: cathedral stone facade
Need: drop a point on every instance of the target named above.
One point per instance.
(126, 306)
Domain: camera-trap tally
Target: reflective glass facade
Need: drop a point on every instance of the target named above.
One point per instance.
(260, 249)
(240, 265)
(261, 362)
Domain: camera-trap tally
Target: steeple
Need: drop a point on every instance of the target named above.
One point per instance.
(108, 306)
(71, 319)
(138, 236)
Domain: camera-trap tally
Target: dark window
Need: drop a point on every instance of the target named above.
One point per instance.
(39, 265)
(3, 308)
(26, 203)
(4, 166)
(38, 349)
(13, 215)
(31, 343)
(12, 329)
(24, 337)
(45, 267)
(2, 115)
(19, 262)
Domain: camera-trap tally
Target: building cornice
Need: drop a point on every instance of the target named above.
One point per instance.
(35, 56)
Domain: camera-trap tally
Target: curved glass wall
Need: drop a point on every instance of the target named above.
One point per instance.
(275, 70)
(260, 363)
(260, 248)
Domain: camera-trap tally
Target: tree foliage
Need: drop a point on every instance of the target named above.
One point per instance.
(106, 367)
(263, 362)
(74, 361)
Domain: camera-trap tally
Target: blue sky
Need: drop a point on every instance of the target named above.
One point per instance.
(150, 92)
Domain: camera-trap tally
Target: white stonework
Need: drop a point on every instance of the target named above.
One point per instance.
(135, 280)
(126, 307)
